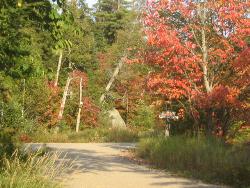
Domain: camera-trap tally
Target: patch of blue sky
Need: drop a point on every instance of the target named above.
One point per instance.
(91, 2)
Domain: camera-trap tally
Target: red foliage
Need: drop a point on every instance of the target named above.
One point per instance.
(76, 75)
(50, 114)
(175, 49)
(220, 97)
(241, 81)
(242, 68)
(90, 113)
(50, 108)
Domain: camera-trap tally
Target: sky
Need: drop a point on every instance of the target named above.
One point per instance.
(91, 2)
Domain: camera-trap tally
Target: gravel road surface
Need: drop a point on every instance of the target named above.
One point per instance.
(100, 165)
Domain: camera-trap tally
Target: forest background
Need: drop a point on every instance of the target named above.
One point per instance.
(64, 66)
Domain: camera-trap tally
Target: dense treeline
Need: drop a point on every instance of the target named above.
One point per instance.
(51, 51)
(66, 68)
(45, 45)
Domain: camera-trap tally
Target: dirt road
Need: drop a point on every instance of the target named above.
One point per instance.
(101, 166)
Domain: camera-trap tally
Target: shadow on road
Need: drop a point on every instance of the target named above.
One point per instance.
(98, 160)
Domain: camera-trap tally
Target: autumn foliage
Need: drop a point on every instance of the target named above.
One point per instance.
(196, 49)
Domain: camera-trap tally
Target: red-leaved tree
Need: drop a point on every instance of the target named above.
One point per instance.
(193, 45)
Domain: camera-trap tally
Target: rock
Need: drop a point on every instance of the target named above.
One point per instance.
(116, 119)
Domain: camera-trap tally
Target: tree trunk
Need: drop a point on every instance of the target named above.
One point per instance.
(204, 49)
(116, 72)
(207, 82)
(118, 5)
(65, 93)
(80, 107)
(59, 65)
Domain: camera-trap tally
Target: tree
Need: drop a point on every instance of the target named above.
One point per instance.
(192, 45)
(240, 80)
(110, 16)
(24, 24)
(25, 51)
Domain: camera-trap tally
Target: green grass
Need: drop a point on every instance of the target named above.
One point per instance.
(207, 159)
(32, 170)
(87, 135)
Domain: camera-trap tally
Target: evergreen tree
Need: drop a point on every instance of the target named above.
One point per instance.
(110, 16)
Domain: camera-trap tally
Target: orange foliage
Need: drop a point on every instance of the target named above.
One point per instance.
(172, 28)
(90, 113)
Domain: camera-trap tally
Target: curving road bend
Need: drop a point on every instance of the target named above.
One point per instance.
(100, 165)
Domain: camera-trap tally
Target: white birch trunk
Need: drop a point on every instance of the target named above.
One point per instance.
(59, 65)
(65, 93)
(204, 49)
(80, 107)
(112, 79)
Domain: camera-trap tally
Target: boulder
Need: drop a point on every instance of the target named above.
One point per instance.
(116, 119)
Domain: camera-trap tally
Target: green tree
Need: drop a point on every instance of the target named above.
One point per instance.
(110, 16)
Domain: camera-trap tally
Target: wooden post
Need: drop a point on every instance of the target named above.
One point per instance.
(80, 107)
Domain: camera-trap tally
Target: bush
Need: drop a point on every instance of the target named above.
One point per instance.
(239, 133)
(12, 115)
(6, 145)
(207, 159)
(144, 117)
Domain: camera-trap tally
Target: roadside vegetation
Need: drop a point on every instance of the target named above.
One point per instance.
(96, 135)
(25, 169)
(208, 159)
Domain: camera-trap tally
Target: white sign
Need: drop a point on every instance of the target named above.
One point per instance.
(168, 115)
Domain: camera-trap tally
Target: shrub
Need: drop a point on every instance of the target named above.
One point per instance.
(239, 133)
(6, 144)
(144, 117)
(208, 159)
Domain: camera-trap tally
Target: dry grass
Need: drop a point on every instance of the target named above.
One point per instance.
(32, 170)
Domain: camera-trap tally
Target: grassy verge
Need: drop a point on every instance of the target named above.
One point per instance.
(207, 159)
(29, 170)
(86, 135)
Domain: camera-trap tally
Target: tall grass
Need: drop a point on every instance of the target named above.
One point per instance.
(88, 135)
(122, 135)
(30, 171)
(207, 159)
